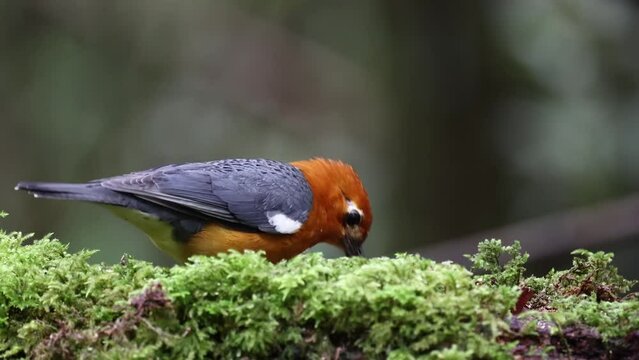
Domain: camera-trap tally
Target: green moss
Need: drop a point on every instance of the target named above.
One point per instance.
(590, 293)
(43, 288)
(499, 264)
(312, 305)
(56, 305)
(588, 301)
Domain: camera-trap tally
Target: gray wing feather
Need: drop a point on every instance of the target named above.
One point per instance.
(243, 191)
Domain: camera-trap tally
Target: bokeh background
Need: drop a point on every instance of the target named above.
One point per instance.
(462, 117)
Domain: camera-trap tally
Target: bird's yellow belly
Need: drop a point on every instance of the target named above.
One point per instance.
(160, 233)
(213, 239)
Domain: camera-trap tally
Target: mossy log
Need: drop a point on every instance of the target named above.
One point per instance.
(57, 305)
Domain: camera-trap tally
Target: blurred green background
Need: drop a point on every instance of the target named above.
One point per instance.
(460, 116)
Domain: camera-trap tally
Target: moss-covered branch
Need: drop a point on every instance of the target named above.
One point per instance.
(56, 305)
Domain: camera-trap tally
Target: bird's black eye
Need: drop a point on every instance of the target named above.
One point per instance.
(353, 217)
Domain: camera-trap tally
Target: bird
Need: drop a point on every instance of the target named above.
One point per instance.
(206, 208)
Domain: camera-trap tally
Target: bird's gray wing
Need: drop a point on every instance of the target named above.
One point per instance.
(266, 195)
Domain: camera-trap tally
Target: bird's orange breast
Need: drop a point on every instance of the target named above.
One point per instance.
(216, 238)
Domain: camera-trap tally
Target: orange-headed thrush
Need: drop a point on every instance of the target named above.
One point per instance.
(244, 204)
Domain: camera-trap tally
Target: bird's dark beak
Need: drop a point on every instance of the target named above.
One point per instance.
(352, 247)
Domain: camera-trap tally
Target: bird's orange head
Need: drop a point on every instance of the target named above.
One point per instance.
(341, 214)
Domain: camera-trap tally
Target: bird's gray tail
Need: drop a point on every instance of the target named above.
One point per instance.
(184, 223)
(92, 192)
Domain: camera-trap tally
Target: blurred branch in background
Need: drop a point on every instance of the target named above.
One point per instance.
(556, 234)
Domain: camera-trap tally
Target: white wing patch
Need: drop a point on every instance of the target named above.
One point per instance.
(282, 223)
